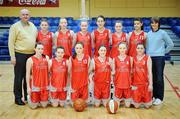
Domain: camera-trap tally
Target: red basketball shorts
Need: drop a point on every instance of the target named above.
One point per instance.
(141, 94)
(80, 93)
(40, 96)
(122, 93)
(101, 90)
(60, 95)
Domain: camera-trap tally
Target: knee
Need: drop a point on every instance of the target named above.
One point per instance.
(33, 106)
(54, 104)
(44, 104)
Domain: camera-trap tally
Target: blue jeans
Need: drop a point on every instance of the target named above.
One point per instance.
(158, 64)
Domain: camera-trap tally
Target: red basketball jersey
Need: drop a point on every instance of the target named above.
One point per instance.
(59, 72)
(101, 38)
(65, 40)
(115, 42)
(133, 41)
(86, 40)
(79, 72)
(40, 73)
(122, 77)
(102, 71)
(140, 71)
(47, 41)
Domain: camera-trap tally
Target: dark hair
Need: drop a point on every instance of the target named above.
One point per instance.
(101, 46)
(44, 20)
(155, 20)
(140, 44)
(75, 54)
(38, 43)
(101, 16)
(60, 47)
(139, 19)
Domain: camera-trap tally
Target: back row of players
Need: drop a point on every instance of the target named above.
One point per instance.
(131, 74)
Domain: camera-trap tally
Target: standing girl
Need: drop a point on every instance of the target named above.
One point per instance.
(85, 37)
(122, 79)
(101, 36)
(117, 38)
(46, 38)
(64, 38)
(135, 37)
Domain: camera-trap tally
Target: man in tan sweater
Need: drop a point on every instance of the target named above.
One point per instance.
(22, 39)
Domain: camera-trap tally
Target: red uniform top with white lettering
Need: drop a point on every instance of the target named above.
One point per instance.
(133, 41)
(140, 71)
(102, 71)
(47, 41)
(122, 77)
(79, 72)
(101, 38)
(40, 73)
(65, 40)
(59, 73)
(115, 42)
(86, 40)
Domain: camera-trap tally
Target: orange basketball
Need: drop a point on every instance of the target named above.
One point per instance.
(112, 106)
(79, 105)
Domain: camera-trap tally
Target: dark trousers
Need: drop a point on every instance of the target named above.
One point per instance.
(20, 75)
(158, 64)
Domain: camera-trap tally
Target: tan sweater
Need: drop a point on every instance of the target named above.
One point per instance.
(22, 38)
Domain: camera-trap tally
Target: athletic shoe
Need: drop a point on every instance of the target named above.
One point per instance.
(157, 102)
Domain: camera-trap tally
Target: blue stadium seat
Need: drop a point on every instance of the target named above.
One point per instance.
(6, 43)
(146, 22)
(76, 29)
(147, 28)
(163, 20)
(71, 22)
(93, 22)
(108, 22)
(90, 29)
(4, 57)
(1, 42)
(4, 52)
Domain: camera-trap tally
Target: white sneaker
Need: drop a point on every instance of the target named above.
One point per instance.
(153, 100)
(157, 102)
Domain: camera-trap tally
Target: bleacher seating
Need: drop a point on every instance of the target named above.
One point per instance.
(173, 22)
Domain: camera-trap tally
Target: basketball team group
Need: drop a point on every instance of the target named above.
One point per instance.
(54, 68)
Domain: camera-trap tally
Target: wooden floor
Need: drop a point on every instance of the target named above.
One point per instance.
(169, 110)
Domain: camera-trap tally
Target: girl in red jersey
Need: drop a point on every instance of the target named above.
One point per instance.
(142, 78)
(85, 37)
(79, 65)
(122, 68)
(59, 76)
(101, 36)
(101, 67)
(64, 38)
(117, 37)
(37, 78)
(46, 38)
(135, 37)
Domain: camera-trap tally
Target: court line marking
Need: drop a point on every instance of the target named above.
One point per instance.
(175, 88)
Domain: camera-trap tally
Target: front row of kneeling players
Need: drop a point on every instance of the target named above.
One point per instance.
(49, 79)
